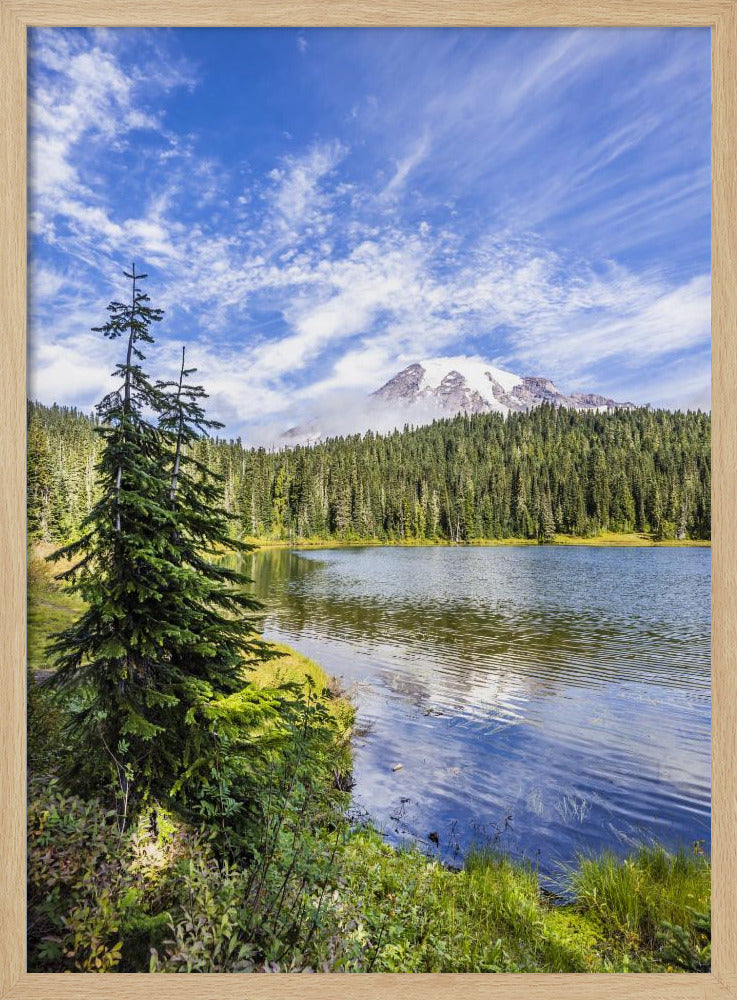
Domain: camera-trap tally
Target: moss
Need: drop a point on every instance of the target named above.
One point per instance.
(292, 667)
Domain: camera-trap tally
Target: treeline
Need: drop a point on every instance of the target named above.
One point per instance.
(530, 475)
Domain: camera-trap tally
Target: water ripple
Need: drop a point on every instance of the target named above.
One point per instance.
(546, 700)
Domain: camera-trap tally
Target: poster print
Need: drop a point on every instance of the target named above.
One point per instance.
(369, 500)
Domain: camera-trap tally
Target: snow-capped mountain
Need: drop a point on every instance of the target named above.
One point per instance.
(471, 385)
(441, 387)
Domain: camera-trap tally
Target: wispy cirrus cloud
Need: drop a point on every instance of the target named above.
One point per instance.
(300, 196)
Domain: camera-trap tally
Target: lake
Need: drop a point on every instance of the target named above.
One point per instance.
(542, 700)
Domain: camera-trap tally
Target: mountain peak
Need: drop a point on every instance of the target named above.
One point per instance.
(443, 387)
(472, 385)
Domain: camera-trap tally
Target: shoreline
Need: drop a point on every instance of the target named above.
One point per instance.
(606, 540)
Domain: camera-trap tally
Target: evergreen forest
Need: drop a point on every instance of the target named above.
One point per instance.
(531, 475)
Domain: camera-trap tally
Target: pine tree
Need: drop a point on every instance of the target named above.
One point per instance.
(161, 632)
(111, 656)
(205, 600)
(546, 521)
(39, 481)
(627, 471)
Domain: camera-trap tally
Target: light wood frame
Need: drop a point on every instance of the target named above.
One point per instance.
(18, 15)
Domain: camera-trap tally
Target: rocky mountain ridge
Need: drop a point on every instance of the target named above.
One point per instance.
(441, 387)
(470, 385)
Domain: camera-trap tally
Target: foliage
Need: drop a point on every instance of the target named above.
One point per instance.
(235, 891)
(688, 948)
(264, 799)
(90, 889)
(165, 625)
(549, 472)
(161, 897)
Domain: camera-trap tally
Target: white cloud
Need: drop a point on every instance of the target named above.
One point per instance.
(298, 196)
(84, 106)
(405, 167)
(633, 322)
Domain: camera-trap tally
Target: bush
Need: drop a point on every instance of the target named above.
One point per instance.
(93, 894)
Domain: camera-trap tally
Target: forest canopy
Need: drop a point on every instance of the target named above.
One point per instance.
(530, 475)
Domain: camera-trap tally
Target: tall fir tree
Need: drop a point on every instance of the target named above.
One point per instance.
(162, 631)
(39, 481)
(207, 597)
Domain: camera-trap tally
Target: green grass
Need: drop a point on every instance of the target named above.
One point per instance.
(493, 917)
(635, 897)
(488, 917)
(605, 539)
(385, 910)
(49, 611)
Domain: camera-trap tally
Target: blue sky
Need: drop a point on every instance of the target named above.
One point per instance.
(318, 208)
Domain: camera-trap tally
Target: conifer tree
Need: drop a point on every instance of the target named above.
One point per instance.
(111, 656)
(208, 597)
(546, 521)
(162, 631)
(39, 481)
(629, 471)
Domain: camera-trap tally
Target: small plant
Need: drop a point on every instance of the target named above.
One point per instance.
(688, 948)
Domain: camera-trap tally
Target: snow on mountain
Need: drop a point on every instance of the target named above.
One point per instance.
(478, 375)
(443, 387)
(472, 385)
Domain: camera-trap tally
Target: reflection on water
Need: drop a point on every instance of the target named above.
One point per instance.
(548, 700)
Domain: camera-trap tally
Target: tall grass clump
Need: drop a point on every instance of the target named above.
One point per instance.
(637, 896)
(400, 911)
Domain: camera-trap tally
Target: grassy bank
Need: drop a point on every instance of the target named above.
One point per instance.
(160, 898)
(605, 539)
(49, 610)
(304, 888)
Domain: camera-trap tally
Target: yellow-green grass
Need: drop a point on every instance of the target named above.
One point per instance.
(631, 539)
(606, 539)
(492, 915)
(50, 610)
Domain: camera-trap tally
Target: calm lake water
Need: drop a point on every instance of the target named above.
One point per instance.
(544, 700)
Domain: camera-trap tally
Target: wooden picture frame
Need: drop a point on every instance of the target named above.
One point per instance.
(15, 17)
